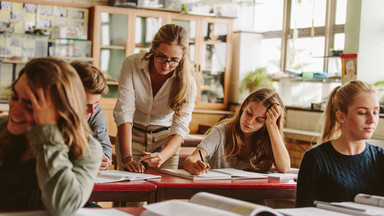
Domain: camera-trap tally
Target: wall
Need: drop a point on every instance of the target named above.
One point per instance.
(365, 35)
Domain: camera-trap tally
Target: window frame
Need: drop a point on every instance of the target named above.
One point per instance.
(328, 31)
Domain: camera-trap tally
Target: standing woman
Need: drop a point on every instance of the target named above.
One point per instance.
(48, 157)
(251, 140)
(157, 92)
(344, 164)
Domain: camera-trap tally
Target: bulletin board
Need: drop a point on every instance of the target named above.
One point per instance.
(58, 21)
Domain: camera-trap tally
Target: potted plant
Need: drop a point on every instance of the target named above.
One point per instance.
(380, 88)
(256, 79)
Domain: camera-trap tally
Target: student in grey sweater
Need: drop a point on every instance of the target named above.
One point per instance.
(345, 164)
(48, 158)
(95, 85)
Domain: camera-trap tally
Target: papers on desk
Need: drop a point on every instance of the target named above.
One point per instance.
(204, 203)
(115, 176)
(225, 173)
(80, 212)
(281, 175)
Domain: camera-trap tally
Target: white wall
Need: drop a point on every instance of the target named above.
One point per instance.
(370, 58)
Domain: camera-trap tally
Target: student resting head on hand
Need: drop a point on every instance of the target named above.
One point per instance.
(48, 157)
(344, 164)
(251, 140)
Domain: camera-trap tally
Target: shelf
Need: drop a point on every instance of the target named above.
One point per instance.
(112, 47)
(89, 59)
(112, 83)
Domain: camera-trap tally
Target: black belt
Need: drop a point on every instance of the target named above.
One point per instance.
(152, 131)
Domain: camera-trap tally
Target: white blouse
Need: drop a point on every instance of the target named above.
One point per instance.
(136, 103)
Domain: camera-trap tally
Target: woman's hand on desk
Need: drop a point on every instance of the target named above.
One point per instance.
(133, 166)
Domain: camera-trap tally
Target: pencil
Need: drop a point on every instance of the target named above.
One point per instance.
(201, 157)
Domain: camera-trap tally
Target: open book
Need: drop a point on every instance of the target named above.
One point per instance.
(204, 203)
(364, 205)
(80, 212)
(225, 173)
(116, 175)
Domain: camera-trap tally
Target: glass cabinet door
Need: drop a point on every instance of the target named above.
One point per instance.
(190, 26)
(113, 40)
(146, 29)
(214, 62)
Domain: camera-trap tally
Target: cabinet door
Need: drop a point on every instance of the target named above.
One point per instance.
(215, 62)
(110, 44)
(147, 23)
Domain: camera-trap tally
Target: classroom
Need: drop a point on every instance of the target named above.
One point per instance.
(188, 87)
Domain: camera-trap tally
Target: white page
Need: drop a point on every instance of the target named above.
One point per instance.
(309, 211)
(116, 175)
(239, 173)
(177, 207)
(80, 212)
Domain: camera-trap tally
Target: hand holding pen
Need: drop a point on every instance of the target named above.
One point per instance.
(153, 159)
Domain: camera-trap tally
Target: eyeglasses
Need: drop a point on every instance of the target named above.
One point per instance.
(162, 60)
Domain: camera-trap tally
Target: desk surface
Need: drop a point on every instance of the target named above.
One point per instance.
(126, 191)
(254, 190)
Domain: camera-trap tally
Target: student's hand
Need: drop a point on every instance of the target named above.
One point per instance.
(133, 166)
(273, 114)
(43, 109)
(152, 159)
(105, 163)
(199, 167)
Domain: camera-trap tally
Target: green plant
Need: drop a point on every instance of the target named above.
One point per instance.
(380, 88)
(256, 79)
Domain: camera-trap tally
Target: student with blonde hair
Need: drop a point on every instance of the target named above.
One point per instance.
(156, 97)
(48, 157)
(251, 140)
(345, 164)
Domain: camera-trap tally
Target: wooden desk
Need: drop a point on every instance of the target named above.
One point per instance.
(253, 190)
(127, 191)
(136, 211)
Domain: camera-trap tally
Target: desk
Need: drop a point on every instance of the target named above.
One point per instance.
(253, 190)
(136, 211)
(127, 191)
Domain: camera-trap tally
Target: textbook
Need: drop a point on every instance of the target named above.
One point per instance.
(204, 203)
(225, 173)
(364, 205)
(80, 212)
(115, 176)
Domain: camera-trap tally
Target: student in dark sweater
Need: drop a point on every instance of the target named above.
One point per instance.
(345, 164)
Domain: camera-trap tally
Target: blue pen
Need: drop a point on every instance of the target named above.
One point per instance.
(201, 157)
(154, 151)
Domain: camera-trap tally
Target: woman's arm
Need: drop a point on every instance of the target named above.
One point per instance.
(280, 152)
(307, 181)
(124, 134)
(193, 163)
(65, 185)
(171, 146)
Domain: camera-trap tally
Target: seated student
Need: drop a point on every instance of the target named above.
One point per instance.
(345, 164)
(253, 139)
(48, 157)
(95, 85)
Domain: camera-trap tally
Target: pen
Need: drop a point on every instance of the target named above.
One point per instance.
(154, 151)
(201, 157)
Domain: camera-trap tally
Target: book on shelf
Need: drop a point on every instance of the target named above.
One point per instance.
(224, 173)
(204, 203)
(363, 205)
(108, 176)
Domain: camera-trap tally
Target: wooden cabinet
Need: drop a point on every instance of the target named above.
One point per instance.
(119, 32)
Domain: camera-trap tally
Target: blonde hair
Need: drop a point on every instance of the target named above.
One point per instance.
(261, 157)
(70, 101)
(340, 99)
(175, 34)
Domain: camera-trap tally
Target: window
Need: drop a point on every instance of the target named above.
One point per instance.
(305, 43)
